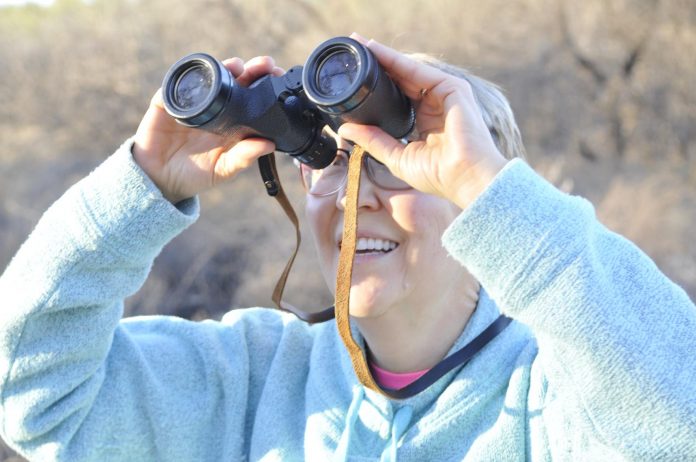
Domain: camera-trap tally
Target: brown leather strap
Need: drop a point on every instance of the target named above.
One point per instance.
(344, 277)
(271, 180)
(343, 283)
(345, 271)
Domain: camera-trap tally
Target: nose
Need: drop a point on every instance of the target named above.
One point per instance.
(367, 194)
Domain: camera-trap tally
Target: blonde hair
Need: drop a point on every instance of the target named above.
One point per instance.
(494, 106)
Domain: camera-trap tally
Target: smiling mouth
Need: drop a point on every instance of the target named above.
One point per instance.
(367, 246)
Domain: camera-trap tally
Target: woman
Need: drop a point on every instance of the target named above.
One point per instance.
(598, 364)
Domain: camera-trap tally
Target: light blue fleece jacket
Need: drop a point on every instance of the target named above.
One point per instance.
(600, 363)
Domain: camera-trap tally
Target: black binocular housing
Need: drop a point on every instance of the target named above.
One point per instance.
(340, 82)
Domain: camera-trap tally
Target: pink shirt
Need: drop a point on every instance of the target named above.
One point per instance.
(394, 380)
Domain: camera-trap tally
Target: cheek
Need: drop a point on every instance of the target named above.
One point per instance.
(313, 215)
(422, 217)
(321, 218)
(423, 220)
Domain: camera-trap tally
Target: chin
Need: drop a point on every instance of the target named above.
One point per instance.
(367, 302)
(370, 294)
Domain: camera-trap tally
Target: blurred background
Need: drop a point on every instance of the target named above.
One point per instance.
(604, 92)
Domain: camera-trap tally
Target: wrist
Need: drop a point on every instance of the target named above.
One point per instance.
(143, 159)
(480, 176)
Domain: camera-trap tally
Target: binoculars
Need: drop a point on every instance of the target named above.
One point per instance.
(340, 82)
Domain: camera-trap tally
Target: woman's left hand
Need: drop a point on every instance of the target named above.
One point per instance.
(455, 156)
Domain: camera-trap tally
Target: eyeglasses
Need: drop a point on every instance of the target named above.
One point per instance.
(328, 180)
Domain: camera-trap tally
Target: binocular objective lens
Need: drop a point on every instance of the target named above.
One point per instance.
(193, 86)
(336, 73)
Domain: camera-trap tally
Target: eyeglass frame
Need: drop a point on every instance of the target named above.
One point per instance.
(367, 158)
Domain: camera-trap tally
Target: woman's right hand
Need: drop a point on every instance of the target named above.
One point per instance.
(455, 156)
(184, 161)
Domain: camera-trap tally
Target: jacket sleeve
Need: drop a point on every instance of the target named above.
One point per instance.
(74, 383)
(616, 337)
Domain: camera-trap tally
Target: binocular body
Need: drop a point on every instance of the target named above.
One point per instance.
(340, 82)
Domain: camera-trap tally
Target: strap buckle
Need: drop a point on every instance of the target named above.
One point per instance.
(269, 174)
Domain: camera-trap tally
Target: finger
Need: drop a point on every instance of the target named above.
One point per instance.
(256, 68)
(157, 100)
(374, 140)
(241, 156)
(235, 66)
(410, 75)
(278, 71)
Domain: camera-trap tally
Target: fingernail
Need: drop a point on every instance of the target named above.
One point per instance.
(358, 37)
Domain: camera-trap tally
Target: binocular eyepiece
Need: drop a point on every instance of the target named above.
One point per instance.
(340, 82)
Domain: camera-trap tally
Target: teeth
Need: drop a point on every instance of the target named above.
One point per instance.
(368, 244)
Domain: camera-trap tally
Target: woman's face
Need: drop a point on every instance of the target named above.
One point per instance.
(400, 260)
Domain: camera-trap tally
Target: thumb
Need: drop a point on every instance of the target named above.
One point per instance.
(378, 143)
(157, 100)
